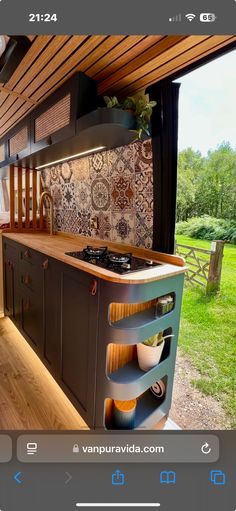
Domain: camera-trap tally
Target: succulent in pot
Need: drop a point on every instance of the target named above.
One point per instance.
(149, 352)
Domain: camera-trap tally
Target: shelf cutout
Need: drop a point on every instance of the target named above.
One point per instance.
(122, 363)
(133, 315)
(149, 408)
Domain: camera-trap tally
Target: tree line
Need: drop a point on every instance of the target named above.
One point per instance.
(207, 184)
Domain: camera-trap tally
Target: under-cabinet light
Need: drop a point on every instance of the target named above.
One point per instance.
(70, 157)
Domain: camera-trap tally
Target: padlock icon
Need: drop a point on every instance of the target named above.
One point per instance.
(75, 448)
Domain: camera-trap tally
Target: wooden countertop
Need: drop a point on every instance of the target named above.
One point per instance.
(56, 245)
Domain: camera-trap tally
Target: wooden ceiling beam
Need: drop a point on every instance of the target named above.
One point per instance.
(37, 46)
(119, 55)
(69, 67)
(63, 54)
(169, 50)
(206, 48)
(122, 64)
(15, 94)
(44, 58)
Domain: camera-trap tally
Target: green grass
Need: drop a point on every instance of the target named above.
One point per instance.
(208, 332)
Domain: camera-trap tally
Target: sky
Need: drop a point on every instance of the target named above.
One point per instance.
(207, 107)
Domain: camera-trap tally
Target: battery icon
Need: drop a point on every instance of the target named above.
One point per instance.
(207, 17)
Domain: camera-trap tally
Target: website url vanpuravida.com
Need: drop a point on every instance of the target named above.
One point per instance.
(123, 449)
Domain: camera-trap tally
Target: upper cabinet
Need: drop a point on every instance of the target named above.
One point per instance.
(16, 144)
(18, 141)
(54, 120)
(49, 124)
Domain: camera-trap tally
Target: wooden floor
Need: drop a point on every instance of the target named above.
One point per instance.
(29, 396)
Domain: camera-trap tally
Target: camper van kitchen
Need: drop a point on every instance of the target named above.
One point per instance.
(91, 290)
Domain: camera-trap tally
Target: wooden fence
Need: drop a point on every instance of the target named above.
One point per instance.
(204, 266)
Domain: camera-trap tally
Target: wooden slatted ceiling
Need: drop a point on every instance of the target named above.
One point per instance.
(121, 65)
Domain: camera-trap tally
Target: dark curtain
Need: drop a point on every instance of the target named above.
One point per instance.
(165, 155)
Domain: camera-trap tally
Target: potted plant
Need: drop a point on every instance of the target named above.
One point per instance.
(139, 106)
(149, 352)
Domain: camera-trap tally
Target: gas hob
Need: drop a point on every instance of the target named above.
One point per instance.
(116, 262)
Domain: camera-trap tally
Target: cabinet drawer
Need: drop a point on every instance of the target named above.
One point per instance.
(32, 316)
(30, 277)
(28, 255)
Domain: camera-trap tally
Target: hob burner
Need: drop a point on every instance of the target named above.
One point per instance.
(113, 261)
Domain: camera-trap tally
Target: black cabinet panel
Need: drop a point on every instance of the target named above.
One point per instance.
(52, 314)
(56, 308)
(79, 332)
(32, 317)
(31, 291)
(11, 281)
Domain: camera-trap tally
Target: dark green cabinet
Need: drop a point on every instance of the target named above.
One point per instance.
(11, 282)
(52, 315)
(79, 332)
(56, 309)
(31, 296)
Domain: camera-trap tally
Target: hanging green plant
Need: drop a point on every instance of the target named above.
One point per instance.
(139, 106)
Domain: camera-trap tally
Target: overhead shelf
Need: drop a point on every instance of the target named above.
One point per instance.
(109, 127)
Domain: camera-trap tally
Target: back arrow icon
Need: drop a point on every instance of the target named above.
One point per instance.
(17, 477)
(69, 477)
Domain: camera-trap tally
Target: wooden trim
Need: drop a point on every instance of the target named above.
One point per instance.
(68, 68)
(27, 198)
(12, 196)
(41, 208)
(121, 64)
(145, 62)
(19, 196)
(15, 94)
(34, 194)
(181, 62)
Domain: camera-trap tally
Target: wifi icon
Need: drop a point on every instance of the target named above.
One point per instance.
(190, 17)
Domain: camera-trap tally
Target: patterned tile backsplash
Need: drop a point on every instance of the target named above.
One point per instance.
(116, 186)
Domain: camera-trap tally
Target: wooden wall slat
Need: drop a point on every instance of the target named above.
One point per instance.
(128, 56)
(144, 59)
(44, 58)
(103, 49)
(122, 64)
(15, 94)
(167, 50)
(40, 209)
(174, 65)
(69, 67)
(123, 47)
(15, 118)
(27, 198)
(62, 55)
(34, 194)
(33, 71)
(12, 196)
(19, 196)
(37, 47)
(10, 111)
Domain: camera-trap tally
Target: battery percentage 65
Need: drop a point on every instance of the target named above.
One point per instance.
(207, 17)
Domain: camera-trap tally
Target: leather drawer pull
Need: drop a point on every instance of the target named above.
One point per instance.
(27, 254)
(93, 287)
(26, 279)
(45, 264)
(27, 304)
